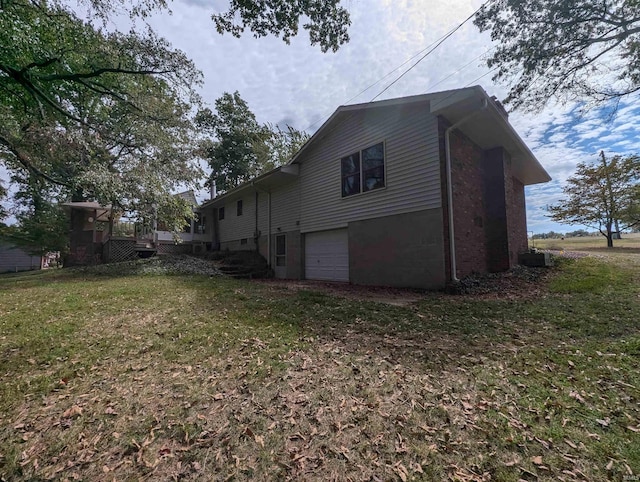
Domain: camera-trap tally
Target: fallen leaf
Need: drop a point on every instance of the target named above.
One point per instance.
(402, 471)
(577, 396)
(537, 460)
(73, 412)
(570, 444)
(610, 465)
(633, 429)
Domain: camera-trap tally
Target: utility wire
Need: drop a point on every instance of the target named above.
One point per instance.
(443, 39)
(428, 89)
(388, 74)
(432, 47)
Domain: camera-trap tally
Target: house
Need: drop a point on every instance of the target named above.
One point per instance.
(408, 192)
(14, 259)
(191, 240)
(96, 235)
(88, 232)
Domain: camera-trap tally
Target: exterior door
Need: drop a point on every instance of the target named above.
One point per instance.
(280, 264)
(327, 255)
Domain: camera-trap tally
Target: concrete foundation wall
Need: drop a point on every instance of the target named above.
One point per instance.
(404, 250)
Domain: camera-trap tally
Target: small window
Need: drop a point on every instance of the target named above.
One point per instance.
(221, 213)
(350, 174)
(363, 171)
(243, 241)
(281, 250)
(239, 208)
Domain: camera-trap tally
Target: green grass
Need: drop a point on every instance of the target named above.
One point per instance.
(168, 377)
(628, 243)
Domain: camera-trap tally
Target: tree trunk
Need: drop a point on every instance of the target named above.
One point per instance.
(609, 239)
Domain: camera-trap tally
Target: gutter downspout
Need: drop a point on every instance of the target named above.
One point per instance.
(268, 219)
(447, 154)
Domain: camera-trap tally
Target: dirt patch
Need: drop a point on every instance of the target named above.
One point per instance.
(379, 294)
(519, 283)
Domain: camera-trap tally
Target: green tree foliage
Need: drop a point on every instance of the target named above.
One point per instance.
(283, 144)
(564, 49)
(98, 115)
(238, 147)
(236, 150)
(105, 115)
(325, 20)
(42, 225)
(601, 194)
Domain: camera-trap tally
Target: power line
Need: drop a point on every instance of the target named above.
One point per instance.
(451, 32)
(388, 74)
(432, 47)
(458, 70)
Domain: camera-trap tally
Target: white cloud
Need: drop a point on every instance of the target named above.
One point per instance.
(301, 86)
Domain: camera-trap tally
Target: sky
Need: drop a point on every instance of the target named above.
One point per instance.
(298, 85)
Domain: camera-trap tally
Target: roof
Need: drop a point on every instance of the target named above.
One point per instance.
(188, 196)
(483, 121)
(265, 182)
(102, 212)
(481, 118)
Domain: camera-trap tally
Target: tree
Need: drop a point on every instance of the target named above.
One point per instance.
(564, 49)
(90, 114)
(236, 151)
(3, 210)
(601, 195)
(107, 116)
(239, 147)
(325, 20)
(283, 144)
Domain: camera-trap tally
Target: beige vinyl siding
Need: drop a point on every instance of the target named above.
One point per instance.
(285, 208)
(412, 180)
(263, 212)
(234, 227)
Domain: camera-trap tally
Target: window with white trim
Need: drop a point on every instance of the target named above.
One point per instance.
(363, 171)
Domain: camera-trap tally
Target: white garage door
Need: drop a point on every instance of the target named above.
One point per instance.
(327, 255)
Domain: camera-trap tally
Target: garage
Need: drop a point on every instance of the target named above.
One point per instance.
(327, 255)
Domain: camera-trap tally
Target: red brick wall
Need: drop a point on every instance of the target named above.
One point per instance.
(489, 207)
(468, 203)
(516, 216)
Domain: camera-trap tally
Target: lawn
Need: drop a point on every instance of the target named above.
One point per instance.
(629, 243)
(109, 376)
